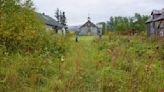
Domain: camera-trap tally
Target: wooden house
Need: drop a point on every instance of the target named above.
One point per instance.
(155, 24)
(88, 29)
(51, 24)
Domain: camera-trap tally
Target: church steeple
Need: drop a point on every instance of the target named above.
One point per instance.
(89, 18)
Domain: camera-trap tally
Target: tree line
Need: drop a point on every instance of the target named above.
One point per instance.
(125, 24)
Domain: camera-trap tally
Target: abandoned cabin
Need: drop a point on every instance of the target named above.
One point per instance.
(51, 24)
(155, 24)
(89, 29)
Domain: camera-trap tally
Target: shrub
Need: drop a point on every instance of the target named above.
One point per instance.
(20, 28)
(29, 56)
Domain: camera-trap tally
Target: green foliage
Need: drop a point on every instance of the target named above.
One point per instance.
(18, 28)
(118, 64)
(121, 27)
(104, 28)
(115, 64)
(123, 24)
(30, 57)
(32, 60)
(134, 64)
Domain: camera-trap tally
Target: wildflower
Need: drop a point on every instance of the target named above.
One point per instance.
(62, 58)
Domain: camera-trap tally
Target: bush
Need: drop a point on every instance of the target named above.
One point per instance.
(29, 56)
(21, 30)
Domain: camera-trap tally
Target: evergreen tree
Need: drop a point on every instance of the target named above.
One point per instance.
(64, 19)
(61, 18)
(57, 15)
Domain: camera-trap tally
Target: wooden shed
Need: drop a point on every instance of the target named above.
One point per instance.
(155, 24)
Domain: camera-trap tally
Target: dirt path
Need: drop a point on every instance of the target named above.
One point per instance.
(81, 64)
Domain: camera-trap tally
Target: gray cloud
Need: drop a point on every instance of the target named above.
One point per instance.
(99, 10)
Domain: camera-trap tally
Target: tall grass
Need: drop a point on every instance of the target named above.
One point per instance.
(32, 71)
(110, 64)
(135, 64)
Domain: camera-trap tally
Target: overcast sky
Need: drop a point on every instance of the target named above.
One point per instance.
(99, 10)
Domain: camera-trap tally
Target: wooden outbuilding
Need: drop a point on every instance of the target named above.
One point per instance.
(155, 24)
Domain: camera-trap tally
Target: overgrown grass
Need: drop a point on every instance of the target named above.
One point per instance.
(34, 70)
(130, 64)
(113, 64)
(110, 64)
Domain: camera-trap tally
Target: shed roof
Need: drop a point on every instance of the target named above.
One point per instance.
(49, 20)
(150, 20)
(161, 17)
(156, 12)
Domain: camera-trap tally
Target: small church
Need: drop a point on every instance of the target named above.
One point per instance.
(89, 29)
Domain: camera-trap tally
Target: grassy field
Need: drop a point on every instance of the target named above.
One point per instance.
(111, 64)
(84, 38)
